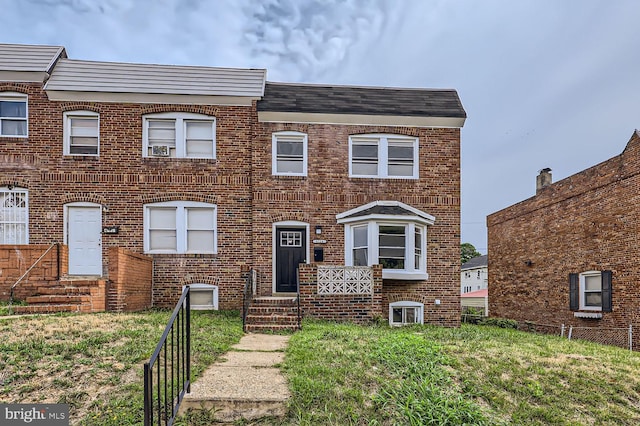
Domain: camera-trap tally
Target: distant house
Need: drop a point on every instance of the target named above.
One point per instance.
(569, 254)
(473, 284)
(131, 181)
(473, 274)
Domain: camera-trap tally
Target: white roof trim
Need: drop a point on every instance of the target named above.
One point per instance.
(149, 98)
(346, 216)
(362, 119)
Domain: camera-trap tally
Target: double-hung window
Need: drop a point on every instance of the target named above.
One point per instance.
(590, 291)
(180, 227)
(13, 114)
(289, 154)
(179, 135)
(81, 133)
(14, 213)
(383, 156)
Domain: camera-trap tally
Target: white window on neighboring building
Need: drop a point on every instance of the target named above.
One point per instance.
(591, 290)
(179, 135)
(13, 114)
(81, 133)
(405, 313)
(289, 154)
(383, 156)
(180, 227)
(14, 215)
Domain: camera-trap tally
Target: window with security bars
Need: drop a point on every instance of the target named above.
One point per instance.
(179, 135)
(180, 227)
(14, 210)
(81, 133)
(289, 153)
(383, 156)
(13, 114)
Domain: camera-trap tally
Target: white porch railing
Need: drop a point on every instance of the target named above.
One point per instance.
(345, 280)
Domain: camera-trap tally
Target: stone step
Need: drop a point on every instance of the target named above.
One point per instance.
(267, 310)
(269, 328)
(46, 309)
(58, 299)
(272, 319)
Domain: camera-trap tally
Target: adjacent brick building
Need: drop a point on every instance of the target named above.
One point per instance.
(568, 254)
(207, 173)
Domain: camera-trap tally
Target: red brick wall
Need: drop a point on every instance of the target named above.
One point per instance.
(130, 281)
(123, 181)
(358, 308)
(327, 190)
(588, 221)
(15, 260)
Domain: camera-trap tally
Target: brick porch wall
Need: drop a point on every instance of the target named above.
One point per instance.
(16, 259)
(130, 281)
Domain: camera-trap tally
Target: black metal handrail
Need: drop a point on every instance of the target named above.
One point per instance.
(298, 299)
(247, 296)
(166, 385)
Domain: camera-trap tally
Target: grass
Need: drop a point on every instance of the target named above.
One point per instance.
(94, 362)
(339, 374)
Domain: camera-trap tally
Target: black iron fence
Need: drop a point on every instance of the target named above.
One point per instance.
(167, 375)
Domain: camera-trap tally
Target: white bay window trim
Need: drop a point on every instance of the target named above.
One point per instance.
(286, 157)
(179, 135)
(410, 223)
(180, 227)
(81, 133)
(387, 156)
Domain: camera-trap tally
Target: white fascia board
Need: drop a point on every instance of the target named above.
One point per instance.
(149, 98)
(360, 119)
(345, 217)
(23, 76)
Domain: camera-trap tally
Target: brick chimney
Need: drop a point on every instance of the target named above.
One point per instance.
(543, 179)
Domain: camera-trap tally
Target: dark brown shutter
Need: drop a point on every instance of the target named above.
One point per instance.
(574, 292)
(606, 291)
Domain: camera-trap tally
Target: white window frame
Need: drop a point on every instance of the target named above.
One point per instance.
(274, 152)
(583, 276)
(406, 304)
(373, 231)
(179, 150)
(4, 191)
(181, 226)
(204, 288)
(68, 116)
(15, 97)
(383, 142)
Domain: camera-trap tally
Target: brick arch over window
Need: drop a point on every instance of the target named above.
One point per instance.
(22, 184)
(403, 131)
(179, 196)
(399, 297)
(79, 106)
(196, 109)
(14, 87)
(291, 216)
(199, 279)
(84, 198)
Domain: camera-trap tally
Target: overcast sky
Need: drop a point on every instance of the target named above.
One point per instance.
(545, 83)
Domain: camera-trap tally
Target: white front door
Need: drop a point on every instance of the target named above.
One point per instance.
(85, 240)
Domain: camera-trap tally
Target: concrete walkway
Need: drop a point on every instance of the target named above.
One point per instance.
(246, 383)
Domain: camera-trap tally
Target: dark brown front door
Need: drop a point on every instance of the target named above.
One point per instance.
(291, 250)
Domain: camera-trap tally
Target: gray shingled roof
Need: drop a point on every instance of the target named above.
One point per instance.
(386, 210)
(117, 77)
(21, 57)
(310, 98)
(476, 262)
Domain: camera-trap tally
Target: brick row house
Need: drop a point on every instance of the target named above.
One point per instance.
(567, 254)
(137, 180)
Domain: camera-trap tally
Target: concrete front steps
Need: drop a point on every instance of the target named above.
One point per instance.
(245, 384)
(68, 295)
(272, 314)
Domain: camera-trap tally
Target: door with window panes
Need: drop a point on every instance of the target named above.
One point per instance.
(291, 250)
